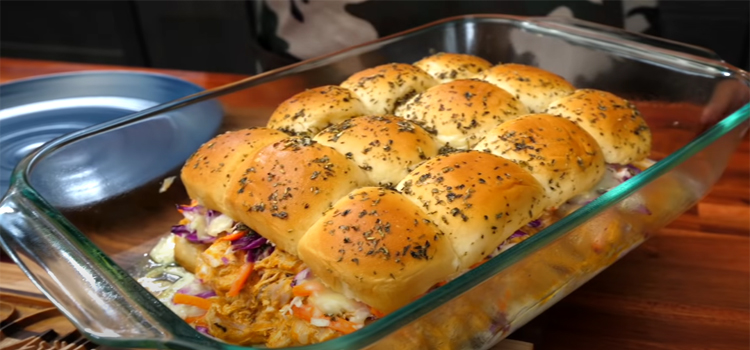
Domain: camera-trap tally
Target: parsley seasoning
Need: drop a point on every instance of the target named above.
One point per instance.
(420, 251)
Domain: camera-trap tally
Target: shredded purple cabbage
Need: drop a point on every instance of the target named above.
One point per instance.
(256, 246)
(192, 236)
(518, 234)
(633, 169)
(206, 295)
(267, 251)
(535, 223)
(202, 329)
(303, 275)
(212, 214)
(248, 243)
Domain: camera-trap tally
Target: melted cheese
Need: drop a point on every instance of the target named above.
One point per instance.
(332, 303)
(219, 224)
(163, 252)
(196, 222)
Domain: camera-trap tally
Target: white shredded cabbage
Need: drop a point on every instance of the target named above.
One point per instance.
(163, 252)
(332, 303)
(219, 224)
(320, 322)
(166, 184)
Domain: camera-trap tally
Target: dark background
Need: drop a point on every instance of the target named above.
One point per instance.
(221, 36)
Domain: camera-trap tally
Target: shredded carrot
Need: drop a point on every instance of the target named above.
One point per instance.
(234, 236)
(306, 289)
(192, 300)
(377, 313)
(304, 312)
(237, 285)
(440, 284)
(343, 326)
(192, 319)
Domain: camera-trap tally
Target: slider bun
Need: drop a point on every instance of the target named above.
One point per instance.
(476, 198)
(378, 247)
(186, 253)
(287, 186)
(447, 67)
(461, 111)
(312, 110)
(386, 147)
(564, 158)
(206, 173)
(381, 89)
(534, 87)
(614, 123)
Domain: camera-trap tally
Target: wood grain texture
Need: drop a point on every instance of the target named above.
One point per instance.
(688, 287)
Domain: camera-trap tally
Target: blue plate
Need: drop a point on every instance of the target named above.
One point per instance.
(37, 110)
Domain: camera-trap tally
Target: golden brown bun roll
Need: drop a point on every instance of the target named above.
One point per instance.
(447, 67)
(186, 254)
(461, 111)
(534, 87)
(288, 186)
(313, 110)
(476, 198)
(564, 158)
(386, 147)
(615, 123)
(378, 247)
(206, 173)
(383, 88)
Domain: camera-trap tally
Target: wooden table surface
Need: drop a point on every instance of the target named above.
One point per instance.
(686, 288)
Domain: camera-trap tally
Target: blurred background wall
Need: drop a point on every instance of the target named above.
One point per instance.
(246, 36)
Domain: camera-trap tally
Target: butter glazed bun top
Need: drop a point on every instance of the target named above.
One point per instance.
(476, 198)
(287, 187)
(461, 111)
(397, 181)
(615, 123)
(534, 87)
(564, 158)
(386, 148)
(207, 172)
(378, 247)
(383, 88)
(446, 67)
(312, 110)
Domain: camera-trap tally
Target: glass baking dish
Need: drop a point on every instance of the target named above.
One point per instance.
(83, 256)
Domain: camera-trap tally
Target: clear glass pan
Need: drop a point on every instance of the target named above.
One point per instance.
(82, 257)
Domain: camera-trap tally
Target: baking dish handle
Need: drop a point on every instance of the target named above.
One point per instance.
(82, 282)
(618, 36)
